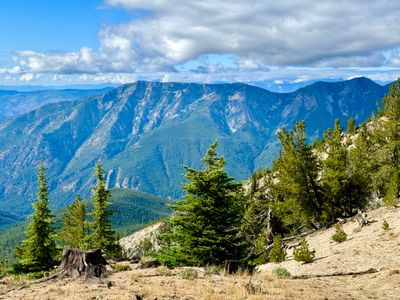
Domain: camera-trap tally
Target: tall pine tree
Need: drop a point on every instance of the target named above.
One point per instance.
(74, 230)
(204, 229)
(351, 126)
(297, 172)
(39, 252)
(392, 111)
(387, 152)
(345, 175)
(359, 171)
(334, 177)
(102, 235)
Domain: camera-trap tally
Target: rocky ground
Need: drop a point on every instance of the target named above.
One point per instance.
(367, 248)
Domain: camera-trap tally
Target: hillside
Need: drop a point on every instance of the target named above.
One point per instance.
(133, 209)
(370, 247)
(145, 131)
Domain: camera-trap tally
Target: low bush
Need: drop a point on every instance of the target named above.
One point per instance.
(163, 271)
(385, 225)
(281, 273)
(212, 270)
(3, 267)
(302, 253)
(339, 236)
(121, 268)
(189, 274)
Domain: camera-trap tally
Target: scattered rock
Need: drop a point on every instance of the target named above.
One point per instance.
(134, 244)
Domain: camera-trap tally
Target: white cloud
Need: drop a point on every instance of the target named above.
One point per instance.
(27, 77)
(259, 35)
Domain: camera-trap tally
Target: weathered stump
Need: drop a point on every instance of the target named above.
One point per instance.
(79, 263)
(231, 266)
(361, 218)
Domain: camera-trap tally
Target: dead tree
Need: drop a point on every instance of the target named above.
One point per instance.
(79, 263)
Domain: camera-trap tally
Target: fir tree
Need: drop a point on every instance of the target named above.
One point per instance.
(102, 235)
(204, 229)
(74, 230)
(39, 252)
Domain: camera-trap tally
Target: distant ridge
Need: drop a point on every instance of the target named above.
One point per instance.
(144, 131)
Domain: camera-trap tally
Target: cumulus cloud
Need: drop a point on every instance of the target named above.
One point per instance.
(258, 34)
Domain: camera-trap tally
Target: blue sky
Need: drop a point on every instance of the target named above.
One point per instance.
(47, 42)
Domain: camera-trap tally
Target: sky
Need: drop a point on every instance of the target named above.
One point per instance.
(65, 42)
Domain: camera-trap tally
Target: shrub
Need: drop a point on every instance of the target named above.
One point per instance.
(3, 267)
(212, 269)
(121, 267)
(281, 273)
(277, 253)
(36, 275)
(163, 271)
(189, 274)
(302, 253)
(385, 225)
(339, 236)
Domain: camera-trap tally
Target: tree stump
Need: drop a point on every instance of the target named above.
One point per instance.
(361, 218)
(79, 263)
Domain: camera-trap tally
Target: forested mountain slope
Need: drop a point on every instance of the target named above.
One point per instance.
(143, 132)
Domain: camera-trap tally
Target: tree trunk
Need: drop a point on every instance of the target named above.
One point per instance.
(79, 263)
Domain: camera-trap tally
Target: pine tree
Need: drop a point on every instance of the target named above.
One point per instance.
(351, 126)
(387, 138)
(277, 253)
(392, 192)
(102, 235)
(334, 178)
(359, 170)
(74, 230)
(392, 111)
(297, 170)
(204, 229)
(39, 252)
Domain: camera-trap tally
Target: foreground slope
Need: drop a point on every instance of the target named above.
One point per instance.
(143, 133)
(365, 248)
(372, 247)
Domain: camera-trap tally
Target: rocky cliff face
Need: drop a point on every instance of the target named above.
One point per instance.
(143, 132)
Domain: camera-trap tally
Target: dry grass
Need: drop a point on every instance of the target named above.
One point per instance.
(150, 285)
(372, 247)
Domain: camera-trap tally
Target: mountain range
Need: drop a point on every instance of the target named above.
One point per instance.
(13, 103)
(144, 132)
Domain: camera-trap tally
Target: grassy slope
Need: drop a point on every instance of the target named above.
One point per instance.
(372, 247)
